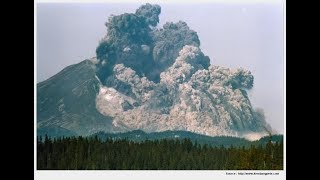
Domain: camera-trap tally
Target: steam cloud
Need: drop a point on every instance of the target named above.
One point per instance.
(158, 79)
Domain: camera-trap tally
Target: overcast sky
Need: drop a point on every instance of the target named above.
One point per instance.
(232, 35)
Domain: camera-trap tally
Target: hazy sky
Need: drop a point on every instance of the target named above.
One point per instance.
(232, 35)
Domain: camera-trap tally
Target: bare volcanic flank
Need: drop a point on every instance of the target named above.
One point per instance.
(66, 101)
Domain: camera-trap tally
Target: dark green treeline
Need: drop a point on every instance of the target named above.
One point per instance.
(92, 153)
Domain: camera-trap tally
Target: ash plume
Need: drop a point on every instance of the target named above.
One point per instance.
(156, 78)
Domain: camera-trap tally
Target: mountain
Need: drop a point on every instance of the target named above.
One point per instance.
(149, 78)
(75, 102)
(66, 102)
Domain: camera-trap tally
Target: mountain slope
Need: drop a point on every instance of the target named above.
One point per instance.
(67, 100)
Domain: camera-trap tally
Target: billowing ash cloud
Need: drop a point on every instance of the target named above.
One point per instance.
(133, 41)
(158, 79)
(150, 13)
(190, 60)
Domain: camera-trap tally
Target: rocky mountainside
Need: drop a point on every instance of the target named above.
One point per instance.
(66, 102)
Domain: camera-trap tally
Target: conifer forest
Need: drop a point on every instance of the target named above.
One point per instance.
(93, 153)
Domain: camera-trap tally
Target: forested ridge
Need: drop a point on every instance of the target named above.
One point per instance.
(226, 141)
(92, 153)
